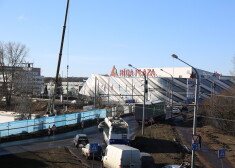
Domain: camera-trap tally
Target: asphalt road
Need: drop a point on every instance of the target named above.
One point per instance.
(60, 140)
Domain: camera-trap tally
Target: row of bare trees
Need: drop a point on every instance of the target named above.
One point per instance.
(12, 75)
(219, 111)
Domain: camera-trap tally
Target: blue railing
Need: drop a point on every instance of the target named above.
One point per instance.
(27, 126)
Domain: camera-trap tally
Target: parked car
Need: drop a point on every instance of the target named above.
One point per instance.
(80, 140)
(101, 126)
(3, 98)
(121, 156)
(176, 110)
(97, 155)
(147, 160)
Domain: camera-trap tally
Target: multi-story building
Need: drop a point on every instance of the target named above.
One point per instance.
(24, 79)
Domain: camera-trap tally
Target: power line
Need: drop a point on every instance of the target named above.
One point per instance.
(214, 118)
(225, 96)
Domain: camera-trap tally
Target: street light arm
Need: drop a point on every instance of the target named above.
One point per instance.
(167, 73)
(176, 57)
(130, 65)
(138, 70)
(197, 75)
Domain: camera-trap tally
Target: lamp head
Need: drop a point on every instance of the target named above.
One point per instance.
(129, 65)
(161, 69)
(174, 56)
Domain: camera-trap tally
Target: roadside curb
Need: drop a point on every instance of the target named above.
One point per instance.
(73, 154)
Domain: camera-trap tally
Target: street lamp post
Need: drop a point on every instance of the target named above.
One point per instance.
(195, 106)
(171, 89)
(145, 86)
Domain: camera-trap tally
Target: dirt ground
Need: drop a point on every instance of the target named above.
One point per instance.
(216, 140)
(162, 143)
(51, 158)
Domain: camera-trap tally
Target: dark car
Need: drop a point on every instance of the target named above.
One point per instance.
(147, 160)
(80, 140)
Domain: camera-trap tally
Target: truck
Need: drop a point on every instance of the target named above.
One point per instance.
(152, 112)
(115, 130)
(117, 156)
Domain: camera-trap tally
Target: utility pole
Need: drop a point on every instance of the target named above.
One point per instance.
(195, 106)
(132, 89)
(145, 90)
(108, 89)
(95, 94)
(171, 89)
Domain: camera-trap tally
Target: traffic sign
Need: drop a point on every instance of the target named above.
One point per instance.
(94, 148)
(195, 146)
(151, 120)
(195, 138)
(221, 153)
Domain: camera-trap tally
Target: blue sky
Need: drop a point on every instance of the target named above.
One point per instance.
(103, 33)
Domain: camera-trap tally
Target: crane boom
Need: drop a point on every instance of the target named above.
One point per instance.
(52, 106)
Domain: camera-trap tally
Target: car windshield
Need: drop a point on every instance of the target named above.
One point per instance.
(83, 141)
(83, 138)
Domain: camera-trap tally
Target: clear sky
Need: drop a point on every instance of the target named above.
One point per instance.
(103, 33)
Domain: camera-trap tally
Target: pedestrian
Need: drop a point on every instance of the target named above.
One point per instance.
(49, 131)
(82, 125)
(200, 141)
(53, 129)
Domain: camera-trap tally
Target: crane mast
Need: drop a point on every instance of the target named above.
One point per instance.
(52, 102)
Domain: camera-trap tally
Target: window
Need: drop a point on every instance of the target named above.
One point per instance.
(118, 130)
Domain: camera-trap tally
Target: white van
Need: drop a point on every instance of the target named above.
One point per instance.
(121, 156)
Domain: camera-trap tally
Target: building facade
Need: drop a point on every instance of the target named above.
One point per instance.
(175, 85)
(70, 86)
(24, 79)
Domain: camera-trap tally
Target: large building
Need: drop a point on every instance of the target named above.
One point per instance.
(25, 79)
(165, 84)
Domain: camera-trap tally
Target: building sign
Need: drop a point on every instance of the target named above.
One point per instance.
(210, 75)
(133, 72)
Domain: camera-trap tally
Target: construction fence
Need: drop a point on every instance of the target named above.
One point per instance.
(27, 126)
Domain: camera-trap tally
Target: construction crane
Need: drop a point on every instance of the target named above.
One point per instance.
(51, 107)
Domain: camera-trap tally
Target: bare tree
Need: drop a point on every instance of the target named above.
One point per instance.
(12, 55)
(232, 72)
(219, 111)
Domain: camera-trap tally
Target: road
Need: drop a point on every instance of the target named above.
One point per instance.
(59, 140)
